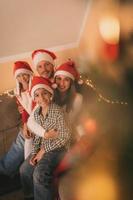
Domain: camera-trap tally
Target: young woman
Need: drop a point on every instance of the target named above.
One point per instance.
(10, 162)
(23, 75)
(67, 78)
(85, 128)
(43, 62)
(37, 171)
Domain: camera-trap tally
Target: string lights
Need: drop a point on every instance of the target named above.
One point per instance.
(9, 93)
(89, 83)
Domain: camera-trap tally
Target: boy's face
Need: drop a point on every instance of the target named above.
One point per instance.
(45, 69)
(42, 97)
(63, 83)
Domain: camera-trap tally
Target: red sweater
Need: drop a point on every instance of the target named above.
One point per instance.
(24, 115)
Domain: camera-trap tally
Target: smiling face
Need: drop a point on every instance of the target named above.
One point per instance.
(23, 79)
(42, 97)
(63, 83)
(45, 69)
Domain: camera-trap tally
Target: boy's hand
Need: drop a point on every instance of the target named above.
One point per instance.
(35, 159)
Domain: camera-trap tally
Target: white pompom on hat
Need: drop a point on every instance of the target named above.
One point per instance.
(42, 54)
(40, 82)
(21, 67)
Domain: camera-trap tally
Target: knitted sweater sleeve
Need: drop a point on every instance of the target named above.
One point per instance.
(34, 126)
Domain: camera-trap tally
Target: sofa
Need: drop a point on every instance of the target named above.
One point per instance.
(9, 120)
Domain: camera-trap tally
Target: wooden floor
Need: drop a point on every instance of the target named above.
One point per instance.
(17, 195)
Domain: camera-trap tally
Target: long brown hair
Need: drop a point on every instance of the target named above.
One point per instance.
(68, 98)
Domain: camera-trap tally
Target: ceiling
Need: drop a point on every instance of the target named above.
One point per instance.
(31, 24)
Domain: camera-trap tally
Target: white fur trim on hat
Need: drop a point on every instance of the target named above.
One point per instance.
(46, 87)
(22, 71)
(42, 56)
(65, 73)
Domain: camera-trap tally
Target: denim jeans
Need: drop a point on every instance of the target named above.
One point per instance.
(11, 161)
(37, 180)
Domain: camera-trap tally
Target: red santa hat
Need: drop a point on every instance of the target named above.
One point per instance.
(21, 67)
(40, 82)
(68, 69)
(42, 54)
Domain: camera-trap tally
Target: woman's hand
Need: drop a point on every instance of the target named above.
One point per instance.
(27, 134)
(36, 158)
(51, 134)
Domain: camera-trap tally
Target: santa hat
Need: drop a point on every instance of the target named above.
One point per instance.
(40, 82)
(41, 54)
(21, 67)
(68, 69)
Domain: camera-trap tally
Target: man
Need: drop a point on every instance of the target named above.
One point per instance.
(43, 62)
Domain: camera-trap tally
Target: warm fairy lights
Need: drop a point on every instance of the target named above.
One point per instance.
(9, 93)
(88, 82)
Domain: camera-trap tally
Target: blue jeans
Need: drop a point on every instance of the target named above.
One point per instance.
(11, 161)
(37, 180)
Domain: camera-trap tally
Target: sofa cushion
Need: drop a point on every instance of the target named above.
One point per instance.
(9, 121)
(9, 115)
